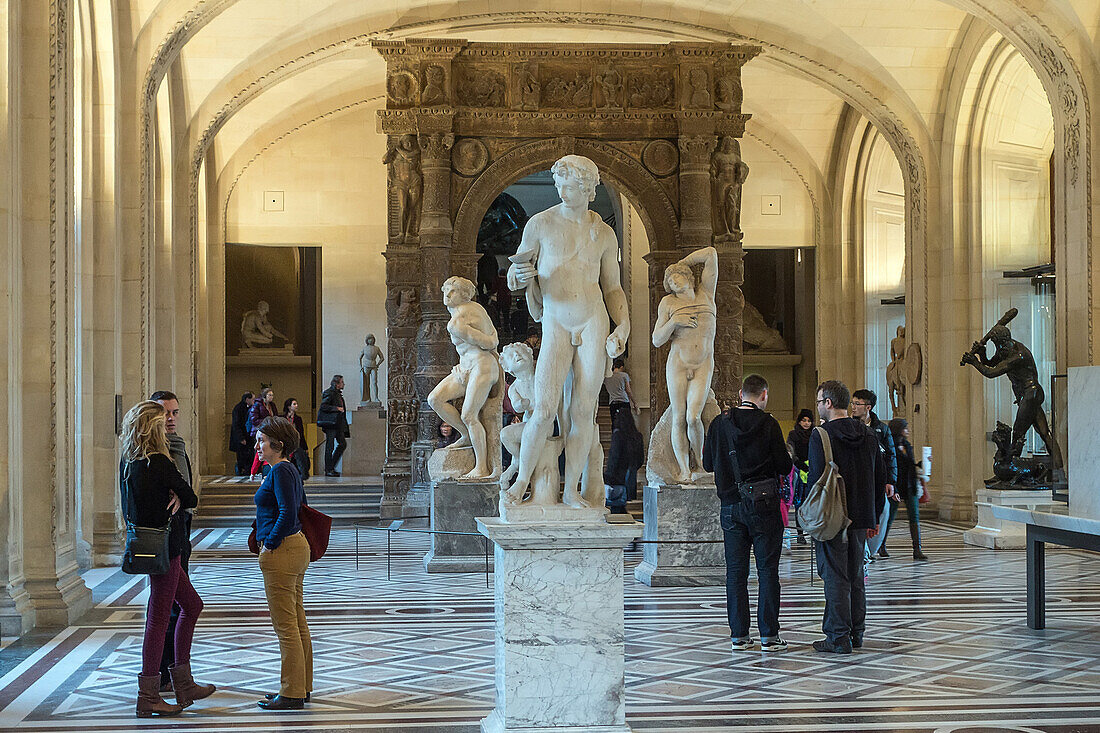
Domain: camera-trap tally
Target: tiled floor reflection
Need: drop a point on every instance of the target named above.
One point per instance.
(946, 649)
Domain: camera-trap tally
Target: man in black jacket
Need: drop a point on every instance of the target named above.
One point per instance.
(863, 409)
(333, 419)
(840, 560)
(745, 447)
(239, 441)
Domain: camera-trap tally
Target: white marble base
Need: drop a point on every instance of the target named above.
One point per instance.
(682, 512)
(1002, 534)
(559, 626)
(534, 513)
(494, 724)
(1084, 426)
(454, 506)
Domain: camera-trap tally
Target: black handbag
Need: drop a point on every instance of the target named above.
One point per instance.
(146, 550)
(762, 494)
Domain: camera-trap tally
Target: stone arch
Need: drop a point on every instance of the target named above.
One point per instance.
(624, 173)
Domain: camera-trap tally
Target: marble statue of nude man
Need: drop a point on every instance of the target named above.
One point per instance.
(477, 371)
(568, 262)
(687, 317)
(256, 330)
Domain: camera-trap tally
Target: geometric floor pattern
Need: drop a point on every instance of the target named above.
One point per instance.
(946, 649)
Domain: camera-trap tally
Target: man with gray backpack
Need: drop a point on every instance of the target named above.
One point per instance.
(846, 466)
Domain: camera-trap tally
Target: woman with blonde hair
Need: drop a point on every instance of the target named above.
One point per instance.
(153, 492)
(284, 558)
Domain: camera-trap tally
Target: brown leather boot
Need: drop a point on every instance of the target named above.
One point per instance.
(187, 690)
(149, 702)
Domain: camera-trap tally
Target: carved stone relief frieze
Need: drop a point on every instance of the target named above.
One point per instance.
(697, 93)
(661, 158)
(528, 88)
(650, 89)
(401, 88)
(469, 156)
(566, 90)
(401, 307)
(480, 87)
(609, 87)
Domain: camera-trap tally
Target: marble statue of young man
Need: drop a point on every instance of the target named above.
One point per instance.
(687, 317)
(370, 358)
(568, 262)
(477, 371)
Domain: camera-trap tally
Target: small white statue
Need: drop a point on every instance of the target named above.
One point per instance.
(369, 360)
(568, 263)
(472, 379)
(687, 317)
(256, 330)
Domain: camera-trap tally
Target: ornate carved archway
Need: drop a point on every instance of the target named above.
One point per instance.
(465, 120)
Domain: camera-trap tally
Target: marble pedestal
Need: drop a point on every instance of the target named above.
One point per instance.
(559, 626)
(366, 451)
(1003, 534)
(454, 507)
(681, 512)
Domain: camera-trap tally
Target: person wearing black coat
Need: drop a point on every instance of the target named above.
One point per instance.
(154, 494)
(624, 458)
(240, 442)
(908, 488)
(742, 448)
(333, 419)
(855, 451)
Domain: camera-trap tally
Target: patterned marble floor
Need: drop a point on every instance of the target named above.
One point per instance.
(947, 649)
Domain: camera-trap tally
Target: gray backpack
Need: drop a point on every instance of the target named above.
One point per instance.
(824, 512)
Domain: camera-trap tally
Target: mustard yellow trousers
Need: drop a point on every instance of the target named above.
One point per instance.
(284, 570)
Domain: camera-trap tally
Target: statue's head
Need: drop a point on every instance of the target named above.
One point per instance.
(370, 339)
(518, 359)
(458, 290)
(1000, 335)
(263, 307)
(576, 178)
(408, 142)
(678, 278)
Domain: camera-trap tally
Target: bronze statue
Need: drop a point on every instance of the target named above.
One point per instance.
(1014, 360)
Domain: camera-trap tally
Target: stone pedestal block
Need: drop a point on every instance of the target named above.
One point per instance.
(1003, 534)
(366, 451)
(454, 508)
(681, 513)
(1084, 426)
(559, 626)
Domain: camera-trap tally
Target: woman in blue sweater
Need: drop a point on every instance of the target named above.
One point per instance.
(284, 557)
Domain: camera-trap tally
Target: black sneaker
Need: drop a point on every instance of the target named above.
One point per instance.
(741, 645)
(774, 644)
(857, 642)
(824, 645)
(918, 555)
(882, 552)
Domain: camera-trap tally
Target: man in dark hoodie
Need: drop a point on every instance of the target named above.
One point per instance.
(856, 454)
(863, 409)
(745, 446)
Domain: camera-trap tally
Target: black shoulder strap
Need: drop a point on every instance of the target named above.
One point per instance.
(733, 448)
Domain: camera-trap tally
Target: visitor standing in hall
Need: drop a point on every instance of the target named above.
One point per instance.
(240, 442)
(153, 494)
(745, 450)
(798, 445)
(333, 419)
(863, 409)
(620, 396)
(856, 453)
(177, 451)
(284, 558)
(262, 409)
(300, 457)
(910, 484)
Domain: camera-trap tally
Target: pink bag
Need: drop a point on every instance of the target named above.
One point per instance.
(787, 496)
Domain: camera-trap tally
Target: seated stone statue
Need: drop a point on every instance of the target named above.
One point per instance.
(256, 330)
(472, 379)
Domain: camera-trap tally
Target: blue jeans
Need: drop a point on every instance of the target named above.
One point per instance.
(744, 528)
(840, 565)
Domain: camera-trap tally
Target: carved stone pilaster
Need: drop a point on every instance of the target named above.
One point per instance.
(696, 225)
(730, 301)
(402, 317)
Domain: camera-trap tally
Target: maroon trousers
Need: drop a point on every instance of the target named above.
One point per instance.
(163, 590)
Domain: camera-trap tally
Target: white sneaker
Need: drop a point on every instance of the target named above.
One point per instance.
(741, 645)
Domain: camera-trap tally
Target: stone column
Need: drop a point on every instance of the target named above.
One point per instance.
(696, 226)
(559, 626)
(37, 495)
(402, 314)
(435, 353)
(728, 346)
